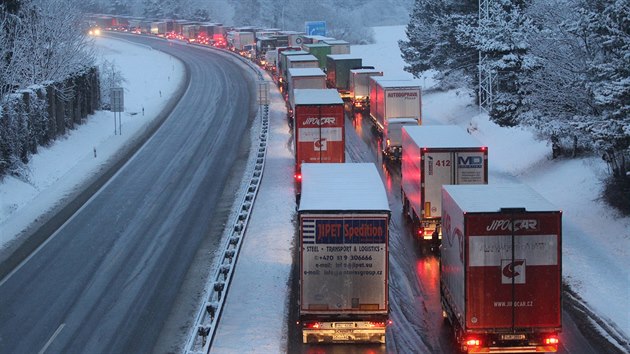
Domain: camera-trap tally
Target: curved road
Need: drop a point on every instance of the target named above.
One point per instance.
(106, 281)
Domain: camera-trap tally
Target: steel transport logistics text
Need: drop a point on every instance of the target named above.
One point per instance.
(351, 231)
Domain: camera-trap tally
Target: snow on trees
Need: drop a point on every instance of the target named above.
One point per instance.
(41, 43)
(503, 38)
(563, 67)
(433, 41)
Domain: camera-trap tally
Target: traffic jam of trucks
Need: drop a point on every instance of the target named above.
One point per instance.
(499, 245)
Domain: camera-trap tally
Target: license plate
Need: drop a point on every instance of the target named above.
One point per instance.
(340, 337)
(344, 325)
(513, 337)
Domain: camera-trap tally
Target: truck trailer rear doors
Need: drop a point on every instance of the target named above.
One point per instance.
(442, 167)
(513, 270)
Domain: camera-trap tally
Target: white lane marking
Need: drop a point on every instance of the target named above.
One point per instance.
(61, 326)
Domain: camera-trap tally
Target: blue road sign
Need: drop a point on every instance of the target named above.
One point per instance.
(315, 28)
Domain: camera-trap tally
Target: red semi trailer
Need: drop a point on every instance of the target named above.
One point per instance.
(500, 268)
(318, 128)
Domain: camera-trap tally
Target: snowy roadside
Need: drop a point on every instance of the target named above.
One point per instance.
(56, 172)
(259, 288)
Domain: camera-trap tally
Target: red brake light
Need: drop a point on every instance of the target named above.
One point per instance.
(552, 340)
(298, 176)
(377, 324)
(421, 231)
(473, 342)
(314, 325)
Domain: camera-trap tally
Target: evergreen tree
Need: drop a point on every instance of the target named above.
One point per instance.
(201, 15)
(91, 6)
(433, 33)
(503, 38)
(153, 9)
(423, 36)
(9, 23)
(119, 7)
(246, 12)
(11, 6)
(611, 85)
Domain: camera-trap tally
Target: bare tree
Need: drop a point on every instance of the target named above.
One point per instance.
(52, 45)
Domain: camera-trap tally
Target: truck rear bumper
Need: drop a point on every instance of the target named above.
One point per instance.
(343, 335)
(525, 349)
(497, 343)
(344, 331)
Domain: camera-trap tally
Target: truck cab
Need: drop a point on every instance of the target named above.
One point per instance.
(392, 137)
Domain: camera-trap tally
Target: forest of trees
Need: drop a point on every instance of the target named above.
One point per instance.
(562, 67)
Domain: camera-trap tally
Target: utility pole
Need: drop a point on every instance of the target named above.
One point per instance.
(487, 76)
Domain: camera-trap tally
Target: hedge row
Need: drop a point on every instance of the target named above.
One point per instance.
(38, 115)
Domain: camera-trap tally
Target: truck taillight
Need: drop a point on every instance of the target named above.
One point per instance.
(377, 324)
(420, 231)
(298, 177)
(472, 342)
(312, 325)
(552, 340)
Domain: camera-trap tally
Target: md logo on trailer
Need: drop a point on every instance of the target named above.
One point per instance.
(470, 162)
